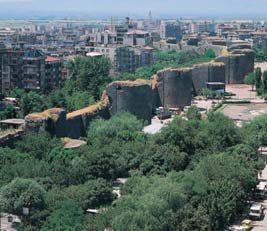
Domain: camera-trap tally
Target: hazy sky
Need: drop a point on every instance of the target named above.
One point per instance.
(179, 7)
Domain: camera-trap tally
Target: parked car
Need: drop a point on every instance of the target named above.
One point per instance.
(261, 190)
(256, 211)
(246, 225)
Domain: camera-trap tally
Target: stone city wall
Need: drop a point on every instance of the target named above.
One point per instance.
(174, 86)
(169, 88)
(10, 138)
(207, 72)
(238, 64)
(132, 96)
(77, 122)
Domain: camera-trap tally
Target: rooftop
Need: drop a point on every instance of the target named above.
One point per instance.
(94, 54)
(136, 32)
(52, 59)
(72, 144)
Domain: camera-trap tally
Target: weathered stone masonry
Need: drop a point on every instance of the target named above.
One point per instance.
(207, 72)
(170, 88)
(238, 64)
(174, 87)
(132, 96)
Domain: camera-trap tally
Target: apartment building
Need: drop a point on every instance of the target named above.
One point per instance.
(10, 69)
(137, 38)
(33, 70)
(53, 73)
(28, 69)
(128, 59)
(171, 30)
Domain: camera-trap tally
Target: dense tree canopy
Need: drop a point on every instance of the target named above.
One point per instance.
(197, 174)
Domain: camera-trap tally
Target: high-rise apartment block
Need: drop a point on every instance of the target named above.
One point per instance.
(28, 69)
(171, 30)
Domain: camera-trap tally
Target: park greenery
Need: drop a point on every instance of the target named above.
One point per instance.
(197, 174)
(260, 54)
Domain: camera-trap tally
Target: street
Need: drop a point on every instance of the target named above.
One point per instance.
(262, 225)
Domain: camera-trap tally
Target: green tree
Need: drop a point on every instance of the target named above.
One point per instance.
(32, 102)
(79, 100)
(22, 193)
(67, 216)
(261, 54)
(90, 195)
(264, 82)
(90, 74)
(124, 127)
(254, 133)
(17, 93)
(209, 53)
(9, 112)
(258, 80)
(251, 80)
(193, 113)
(38, 146)
(195, 219)
(58, 99)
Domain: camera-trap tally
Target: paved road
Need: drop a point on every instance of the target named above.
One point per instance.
(156, 126)
(262, 225)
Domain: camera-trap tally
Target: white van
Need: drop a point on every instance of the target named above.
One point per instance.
(261, 190)
(256, 211)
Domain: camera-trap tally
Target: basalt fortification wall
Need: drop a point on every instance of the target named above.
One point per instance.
(57, 122)
(172, 87)
(207, 72)
(238, 64)
(77, 122)
(52, 120)
(9, 139)
(134, 97)
(131, 96)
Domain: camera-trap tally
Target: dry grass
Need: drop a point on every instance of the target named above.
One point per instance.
(50, 113)
(182, 69)
(91, 109)
(154, 82)
(137, 82)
